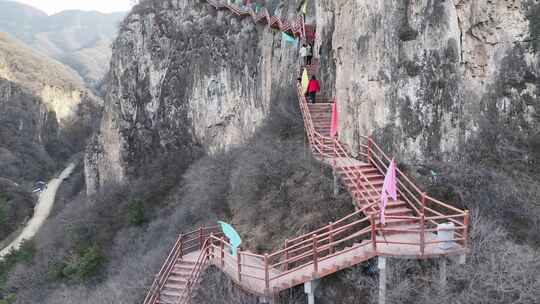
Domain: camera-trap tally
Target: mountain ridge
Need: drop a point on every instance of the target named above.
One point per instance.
(67, 36)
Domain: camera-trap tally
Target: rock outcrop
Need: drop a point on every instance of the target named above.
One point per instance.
(185, 76)
(427, 79)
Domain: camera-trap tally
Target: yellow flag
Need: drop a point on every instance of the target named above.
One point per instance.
(305, 81)
(304, 7)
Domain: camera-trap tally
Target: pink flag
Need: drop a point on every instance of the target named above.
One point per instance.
(389, 188)
(334, 124)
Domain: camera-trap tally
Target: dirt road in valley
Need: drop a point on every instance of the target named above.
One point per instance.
(41, 211)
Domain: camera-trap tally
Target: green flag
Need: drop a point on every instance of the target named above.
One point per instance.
(289, 39)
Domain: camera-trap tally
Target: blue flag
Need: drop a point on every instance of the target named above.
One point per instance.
(232, 235)
(289, 39)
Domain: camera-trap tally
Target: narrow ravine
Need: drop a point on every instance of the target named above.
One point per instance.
(41, 211)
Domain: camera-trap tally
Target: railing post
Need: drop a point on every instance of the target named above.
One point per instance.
(466, 220)
(239, 263)
(208, 246)
(330, 238)
(369, 148)
(336, 154)
(315, 257)
(200, 237)
(155, 290)
(189, 290)
(286, 265)
(422, 234)
(373, 233)
(181, 237)
(266, 274)
(423, 225)
(424, 200)
(222, 242)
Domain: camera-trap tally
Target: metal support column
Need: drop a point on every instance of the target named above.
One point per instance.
(442, 272)
(336, 183)
(382, 279)
(309, 289)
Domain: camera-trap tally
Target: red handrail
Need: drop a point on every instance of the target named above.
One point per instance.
(163, 273)
(408, 190)
(315, 139)
(320, 244)
(178, 251)
(295, 28)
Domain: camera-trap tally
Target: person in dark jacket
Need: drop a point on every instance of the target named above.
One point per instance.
(313, 88)
(309, 56)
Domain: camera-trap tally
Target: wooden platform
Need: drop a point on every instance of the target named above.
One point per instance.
(252, 281)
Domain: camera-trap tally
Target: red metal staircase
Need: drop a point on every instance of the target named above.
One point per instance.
(295, 28)
(411, 228)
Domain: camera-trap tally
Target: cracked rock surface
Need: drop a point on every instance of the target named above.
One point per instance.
(424, 77)
(185, 76)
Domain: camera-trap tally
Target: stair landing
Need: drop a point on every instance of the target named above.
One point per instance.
(355, 254)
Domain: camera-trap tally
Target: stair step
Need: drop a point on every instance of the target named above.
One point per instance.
(171, 301)
(183, 267)
(358, 191)
(392, 205)
(404, 227)
(170, 292)
(396, 223)
(400, 211)
(363, 168)
(178, 279)
(375, 181)
(175, 287)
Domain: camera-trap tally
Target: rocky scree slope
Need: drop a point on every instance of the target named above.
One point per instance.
(184, 76)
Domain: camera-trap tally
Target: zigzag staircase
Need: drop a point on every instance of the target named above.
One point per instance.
(410, 231)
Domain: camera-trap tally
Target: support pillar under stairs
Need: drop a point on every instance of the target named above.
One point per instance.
(309, 289)
(336, 183)
(382, 279)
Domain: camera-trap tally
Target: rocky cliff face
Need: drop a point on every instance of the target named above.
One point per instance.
(78, 39)
(426, 77)
(46, 114)
(185, 76)
(42, 104)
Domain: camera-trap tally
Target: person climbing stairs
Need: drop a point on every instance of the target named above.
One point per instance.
(410, 229)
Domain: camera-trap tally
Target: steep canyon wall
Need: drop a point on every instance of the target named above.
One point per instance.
(186, 77)
(427, 78)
